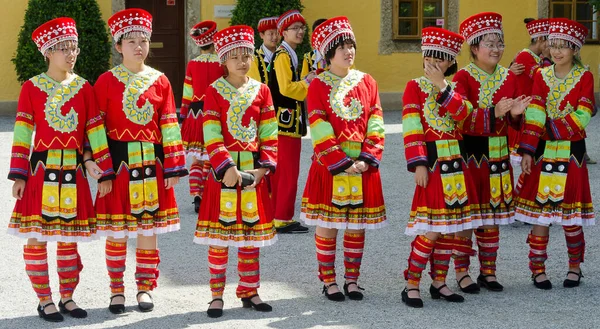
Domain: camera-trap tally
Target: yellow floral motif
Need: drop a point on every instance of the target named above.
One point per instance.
(207, 58)
(135, 86)
(431, 109)
(340, 87)
(559, 89)
(489, 84)
(239, 102)
(58, 95)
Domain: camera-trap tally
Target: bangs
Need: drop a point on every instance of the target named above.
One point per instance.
(488, 37)
(136, 34)
(239, 51)
(437, 54)
(559, 43)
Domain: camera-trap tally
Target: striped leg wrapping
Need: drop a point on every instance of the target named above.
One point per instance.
(249, 272)
(537, 253)
(195, 179)
(440, 257)
(68, 265)
(36, 266)
(354, 243)
(488, 241)
(421, 249)
(146, 269)
(326, 258)
(463, 250)
(116, 254)
(217, 267)
(575, 244)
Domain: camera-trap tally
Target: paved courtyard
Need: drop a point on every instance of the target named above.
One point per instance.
(288, 270)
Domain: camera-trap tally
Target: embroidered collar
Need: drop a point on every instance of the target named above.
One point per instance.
(537, 58)
(59, 93)
(135, 86)
(559, 89)
(292, 54)
(340, 87)
(489, 83)
(239, 102)
(207, 58)
(268, 54)
(431, 109)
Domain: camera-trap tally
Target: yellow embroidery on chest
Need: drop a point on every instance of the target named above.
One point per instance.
(58, 96)
(340, 87)
(239, 102)
(207, 58)
(559, 89)
(135, 86)
(431, 109)
(488, 83)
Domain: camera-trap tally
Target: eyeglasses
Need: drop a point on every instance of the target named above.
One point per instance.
(492, 46)
(297, 28)
(559, 47)
(68, 51)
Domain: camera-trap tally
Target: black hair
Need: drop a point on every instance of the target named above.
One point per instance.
(318, 22)
(533, 40)
(207, 47)
(339, 42)
(476, 41)
(452, 69)
(196, 33)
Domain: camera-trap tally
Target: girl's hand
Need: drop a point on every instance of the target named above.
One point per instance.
(258, 173)
(104, 188)
(232, 176)
(93, 169)
(171, 182)
(421, 176)
(18, 188)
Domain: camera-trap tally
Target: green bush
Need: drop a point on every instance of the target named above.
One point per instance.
(93, 38)
(249, 12)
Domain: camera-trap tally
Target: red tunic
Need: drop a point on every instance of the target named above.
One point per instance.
(430, 121)
(141, 121)
(240, 130)
(485, 138)
(346, 124)
(557, 190)
(57, 203)
(201, 72)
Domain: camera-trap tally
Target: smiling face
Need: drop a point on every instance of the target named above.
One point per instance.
(563, 52)
(63, 56)
(441, 63)
(294, 34)
(238, 63)
(270, 38)
(134, 47)
(489, 51)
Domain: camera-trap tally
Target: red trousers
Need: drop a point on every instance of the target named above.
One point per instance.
(284, 184)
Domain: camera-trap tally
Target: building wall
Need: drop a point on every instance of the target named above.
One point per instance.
(391, 71)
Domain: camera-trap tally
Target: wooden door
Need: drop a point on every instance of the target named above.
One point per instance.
(167, 47)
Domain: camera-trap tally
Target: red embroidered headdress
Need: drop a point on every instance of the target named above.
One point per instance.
(267, 23)
(440, 43)
(288, 18)
(326, 34)
(203, 33)
(476, 26)
(237, 39)
(566, 29)
(53, 32)
(538, 28)
(130, 20)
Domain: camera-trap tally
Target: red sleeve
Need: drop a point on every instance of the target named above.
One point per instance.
(96, 133)
(535, 117)
(101, 92)
(267, 131)
(452, 101)
(187, 86)
(415, 149)
(325, 143)
(219, 156)
(22, 133)
(481, 121)
(372, 146)
(525, 80)
(174, 163)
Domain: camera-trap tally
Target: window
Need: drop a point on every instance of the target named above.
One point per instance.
(411, 16)
(578, 10)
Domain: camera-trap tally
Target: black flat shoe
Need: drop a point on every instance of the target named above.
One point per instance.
(215, 312)
(50, 317)
(116, 308)
(568, 283)
(473, 288)
(411, 302)
(145, 306)
(544, 285)
(354, 295)
(262, 307)
(197, 204)
(436, 294)
(292, 228)
(336, 297)
(489, 285)
(77, 313)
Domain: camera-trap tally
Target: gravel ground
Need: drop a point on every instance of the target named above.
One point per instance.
(289, 281)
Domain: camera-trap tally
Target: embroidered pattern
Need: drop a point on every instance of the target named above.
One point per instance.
(559, 89)
(58, 96)
(207, 58)
(135, 86)
(340, 87)
(238, 104)
(489, 84)
(431, 109)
